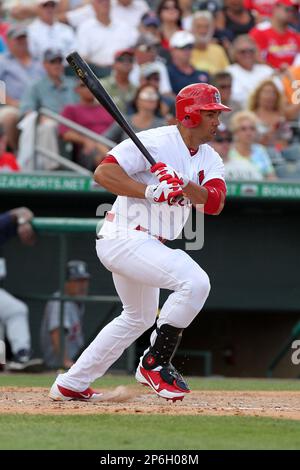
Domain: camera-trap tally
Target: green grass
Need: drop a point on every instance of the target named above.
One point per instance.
(128, 432)
(146, 432)
(111, 380)
(46, 380)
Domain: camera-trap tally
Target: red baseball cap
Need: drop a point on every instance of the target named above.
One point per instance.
(123, 52)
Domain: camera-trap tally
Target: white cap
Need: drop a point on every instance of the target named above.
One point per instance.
(149, 68)
(182, 39)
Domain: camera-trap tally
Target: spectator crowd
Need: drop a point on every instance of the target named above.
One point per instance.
(144, 52)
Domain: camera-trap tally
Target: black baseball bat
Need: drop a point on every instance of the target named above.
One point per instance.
(84, 72)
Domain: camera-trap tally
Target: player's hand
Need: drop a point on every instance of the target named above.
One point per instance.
(182, 202)
(165, 172)
(165, 191)
(23, 213)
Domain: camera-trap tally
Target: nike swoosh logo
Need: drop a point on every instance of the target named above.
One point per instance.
(153, 384)
(85, 396)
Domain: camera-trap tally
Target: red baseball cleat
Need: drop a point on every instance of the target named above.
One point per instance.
(164, 381)
(59, 393)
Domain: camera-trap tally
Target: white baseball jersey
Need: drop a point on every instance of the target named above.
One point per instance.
(166, 145)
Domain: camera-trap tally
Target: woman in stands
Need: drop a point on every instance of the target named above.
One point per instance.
(169, 13)
(267, 104)
(146, 106)
(252, 158)
(235, 18)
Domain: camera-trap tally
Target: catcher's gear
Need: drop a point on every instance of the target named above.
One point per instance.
(194, 98)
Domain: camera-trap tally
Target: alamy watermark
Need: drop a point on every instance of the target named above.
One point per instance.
(158, 220)
(296, 354)
(2, 352)
(2, 92)
(295, 97)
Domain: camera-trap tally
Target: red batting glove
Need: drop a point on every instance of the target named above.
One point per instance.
(165, 172)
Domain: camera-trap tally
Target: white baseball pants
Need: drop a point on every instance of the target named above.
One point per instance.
(140, 268)
(14, 318)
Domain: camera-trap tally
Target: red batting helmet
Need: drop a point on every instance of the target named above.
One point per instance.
(193, 98)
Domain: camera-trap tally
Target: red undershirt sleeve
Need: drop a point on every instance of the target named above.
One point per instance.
(216, 195)
(109, 159)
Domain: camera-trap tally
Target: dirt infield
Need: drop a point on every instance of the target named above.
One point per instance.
(136, 400)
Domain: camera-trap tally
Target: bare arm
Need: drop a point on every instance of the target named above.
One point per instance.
(292, 111)
(195, 193)
(54, 334)
(23, 12)
(55, 340)
(87, 143)
(10, 101)
(113, 178)
(199, 195)
(74, 137)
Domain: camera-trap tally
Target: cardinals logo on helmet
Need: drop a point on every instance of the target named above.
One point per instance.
(217, 97)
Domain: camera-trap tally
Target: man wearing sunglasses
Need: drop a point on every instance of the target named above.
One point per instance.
(181, 72)
(117, 84)
(53, 91)
(17, 70)
(146, 51)
(245, 70)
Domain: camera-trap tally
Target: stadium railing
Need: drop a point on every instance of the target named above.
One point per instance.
(63, 161)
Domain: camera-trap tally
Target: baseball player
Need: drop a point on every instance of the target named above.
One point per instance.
(77, 282)
(14, 322)
(131, 244)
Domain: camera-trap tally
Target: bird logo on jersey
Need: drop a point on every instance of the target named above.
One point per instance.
(201, 176)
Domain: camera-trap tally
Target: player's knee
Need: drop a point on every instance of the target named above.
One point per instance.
(18, 308)
(198, 288)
